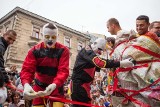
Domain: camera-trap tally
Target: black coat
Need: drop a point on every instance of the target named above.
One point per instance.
(3, 73)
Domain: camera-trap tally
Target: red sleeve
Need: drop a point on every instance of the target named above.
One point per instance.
(99, 62)
(63, 69)
(28, 68)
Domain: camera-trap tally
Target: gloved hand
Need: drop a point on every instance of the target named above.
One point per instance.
(50, 89)
(126, 63)
(29, 93)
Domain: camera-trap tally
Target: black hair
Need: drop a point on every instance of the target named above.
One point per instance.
(111, 39)
(51, 26)
(152, 24)
(11, 32)
(143, 17)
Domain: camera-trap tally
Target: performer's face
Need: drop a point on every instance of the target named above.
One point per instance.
(99, 46)
(50, 38)
(141, 27)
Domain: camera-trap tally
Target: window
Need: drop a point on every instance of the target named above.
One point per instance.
(36, 32)
(7, 28)
(67, 42)
(80, 45)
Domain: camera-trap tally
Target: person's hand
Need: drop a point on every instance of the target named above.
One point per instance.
(126, 63)
(50, 89)
(29, 93)
(10, 84)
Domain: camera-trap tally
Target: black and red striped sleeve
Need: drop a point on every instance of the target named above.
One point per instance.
(99, 62)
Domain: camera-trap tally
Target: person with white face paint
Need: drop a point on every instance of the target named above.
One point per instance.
(50, 36)
(87, 62)
(48, 64)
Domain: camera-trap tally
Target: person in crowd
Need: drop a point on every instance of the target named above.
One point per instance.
(3, 93)
(14, 70)
(155, 28)
(8, 38)
(87, 62)
(110, 43)
(94, 86)
(113, 26)
(9, 94)
(48, 64)
(122, 37)
(99, 98)
(15, 99)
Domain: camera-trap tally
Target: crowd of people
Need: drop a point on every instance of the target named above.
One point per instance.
(112, 72)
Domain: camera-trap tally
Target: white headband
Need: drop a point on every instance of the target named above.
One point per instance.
(48, 31)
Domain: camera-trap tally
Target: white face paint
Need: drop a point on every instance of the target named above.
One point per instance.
(50, 36)
(99, 46)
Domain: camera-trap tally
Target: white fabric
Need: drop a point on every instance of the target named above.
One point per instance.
(142, 77)
(126, 63)
(122, 35)
(29, 93)
(122, 32)
(50, 89)
(3, 94)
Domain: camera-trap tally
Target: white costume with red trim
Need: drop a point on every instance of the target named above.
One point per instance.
(140, 84)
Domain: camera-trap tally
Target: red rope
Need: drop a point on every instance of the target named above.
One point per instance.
(59, 99)
(135, 92)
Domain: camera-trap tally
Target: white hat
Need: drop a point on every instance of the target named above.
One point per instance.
(99, 43)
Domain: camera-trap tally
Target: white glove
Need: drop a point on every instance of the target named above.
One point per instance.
(126, 63)
(50, 89)
(28, 92)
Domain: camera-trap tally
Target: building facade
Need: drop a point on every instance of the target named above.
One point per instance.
(29, 32)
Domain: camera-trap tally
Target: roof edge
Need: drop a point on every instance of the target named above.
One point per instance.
(18, 9)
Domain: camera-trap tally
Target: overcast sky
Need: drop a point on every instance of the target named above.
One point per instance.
(88, 15)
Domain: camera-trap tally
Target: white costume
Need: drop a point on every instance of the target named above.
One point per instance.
(140, 86)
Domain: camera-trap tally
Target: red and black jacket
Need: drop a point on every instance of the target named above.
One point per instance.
(47, 65)
(87, 62)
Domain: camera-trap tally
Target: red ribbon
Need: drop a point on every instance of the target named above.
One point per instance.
(135, 92)
(59, 99)
(146, 51)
